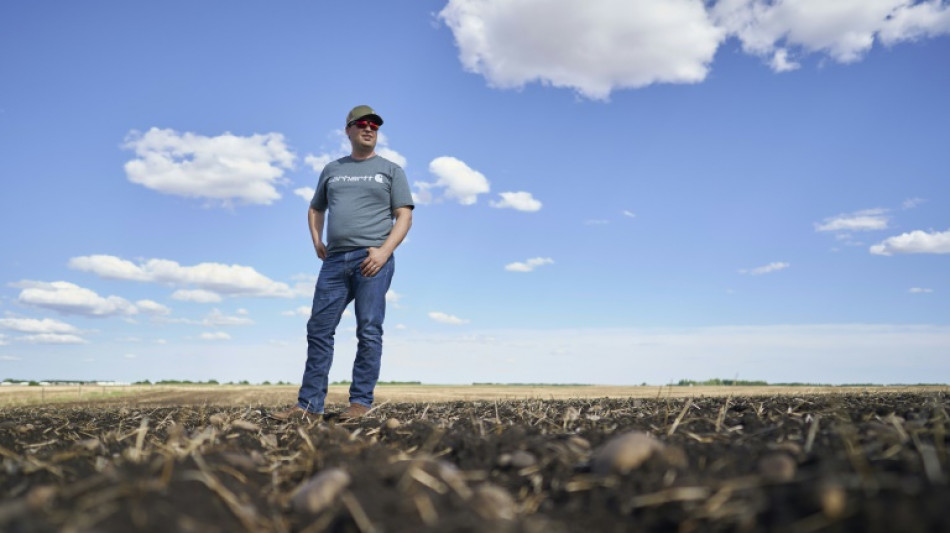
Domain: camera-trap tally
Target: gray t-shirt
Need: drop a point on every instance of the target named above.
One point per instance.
(361, 198)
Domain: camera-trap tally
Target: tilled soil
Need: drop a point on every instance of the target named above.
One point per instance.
(860, 462)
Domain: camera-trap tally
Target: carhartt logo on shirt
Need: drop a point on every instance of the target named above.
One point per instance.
(378, 178)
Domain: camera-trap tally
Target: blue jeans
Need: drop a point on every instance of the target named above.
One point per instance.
(340, 283)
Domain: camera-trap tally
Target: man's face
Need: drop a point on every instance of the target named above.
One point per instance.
(362, 133)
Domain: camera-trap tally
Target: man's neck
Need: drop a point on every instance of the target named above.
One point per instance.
(361, 156)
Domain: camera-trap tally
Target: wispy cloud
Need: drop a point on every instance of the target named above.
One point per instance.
(865, 220)
(769, 268)
(529, 265)
(919, 290)
(217, 278)
(444, 318)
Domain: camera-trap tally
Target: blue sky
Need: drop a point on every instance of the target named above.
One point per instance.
(607, 192)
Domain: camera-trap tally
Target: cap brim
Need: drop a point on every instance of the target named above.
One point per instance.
(373, 117)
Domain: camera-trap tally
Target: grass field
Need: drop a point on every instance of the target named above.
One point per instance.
(277, 395)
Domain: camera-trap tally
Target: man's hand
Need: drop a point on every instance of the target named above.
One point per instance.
(374, 261)
(321, 250)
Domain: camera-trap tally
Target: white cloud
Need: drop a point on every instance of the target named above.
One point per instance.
(865, 220)
(393, 297)
(598, 46)
(130, 356)
(33, 325)
(919, 290)
(303, 310)
(915, 242)
(52, 338)
(225, 168)
(152, 307)
(522, 201)
(305, 192)
(781, 62)
(528, 265)
(317, 162)
(459, 181)
(594, 46)
(68, 298)
(771, 267)
(596, 222)
(217, 318)
(447, 319)
(629, 214)
(843, 29)
(229, 280)
(3, 342)
(197, 295)
(215, 336)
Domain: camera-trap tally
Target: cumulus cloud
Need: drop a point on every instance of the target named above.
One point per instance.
(521, 201)
(771, 267)
(33, 325)
(317, 162)
(306, 193)
(915, 242)
(227, 168)
(69, 298)
(444, 318)
(152, 307)
(228, 280)
(528, 265)
(196, 295)
(865, 220)
(457, 181)
(843, 29)
(593, 47)
(598, 46)
(393, 297)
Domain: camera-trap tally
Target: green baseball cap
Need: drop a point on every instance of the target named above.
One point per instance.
(363, 111)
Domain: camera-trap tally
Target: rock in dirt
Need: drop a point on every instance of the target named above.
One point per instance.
(494, 503)
(626, 452)
(320, 491)
(518, 459)
(245, 425)
(833, 499)
(778, 468)
(392, 423)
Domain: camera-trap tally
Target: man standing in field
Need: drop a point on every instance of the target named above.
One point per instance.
(362, 193)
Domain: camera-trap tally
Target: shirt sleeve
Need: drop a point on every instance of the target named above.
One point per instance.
(319, 201)
(400, 197)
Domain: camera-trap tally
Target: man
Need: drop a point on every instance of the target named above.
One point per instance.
(362, 193)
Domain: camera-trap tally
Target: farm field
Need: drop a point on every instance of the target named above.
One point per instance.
(493, 459)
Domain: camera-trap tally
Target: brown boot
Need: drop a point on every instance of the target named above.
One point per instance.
(354, 411)
(295, 413)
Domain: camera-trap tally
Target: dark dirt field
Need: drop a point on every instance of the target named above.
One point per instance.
(858, 462)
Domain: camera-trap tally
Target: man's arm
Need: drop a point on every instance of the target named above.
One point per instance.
(315, 221)
(378, 256)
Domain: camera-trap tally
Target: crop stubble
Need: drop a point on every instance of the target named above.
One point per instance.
(831, 462)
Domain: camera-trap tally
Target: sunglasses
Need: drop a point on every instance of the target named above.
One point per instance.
(360, 124)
